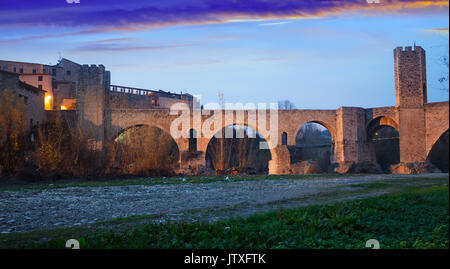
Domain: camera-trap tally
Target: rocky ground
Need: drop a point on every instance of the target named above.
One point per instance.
(38, 209)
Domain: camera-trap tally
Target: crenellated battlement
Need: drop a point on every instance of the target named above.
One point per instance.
(92, 68)
(409, 49)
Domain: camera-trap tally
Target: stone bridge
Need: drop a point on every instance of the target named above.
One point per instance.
(419, 123)
(289, 123)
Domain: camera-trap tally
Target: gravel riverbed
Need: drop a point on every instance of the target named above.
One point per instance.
(65, 207)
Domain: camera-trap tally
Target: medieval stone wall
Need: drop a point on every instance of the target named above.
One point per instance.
(129, 100)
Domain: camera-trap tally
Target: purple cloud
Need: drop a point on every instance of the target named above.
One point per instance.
(114, 47)
(44, 36)
(129, 15)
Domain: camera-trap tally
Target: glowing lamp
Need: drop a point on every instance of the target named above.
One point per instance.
(48, 100)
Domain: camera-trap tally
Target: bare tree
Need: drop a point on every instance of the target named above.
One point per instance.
(221, 100)
(12, 131)
(445, 78)
(312, 134)
(285, 105)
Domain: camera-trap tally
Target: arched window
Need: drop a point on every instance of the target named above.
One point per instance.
(284, 138)
(192, 140)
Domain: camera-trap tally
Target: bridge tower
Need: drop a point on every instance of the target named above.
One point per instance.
(410, 97)
(93, 103)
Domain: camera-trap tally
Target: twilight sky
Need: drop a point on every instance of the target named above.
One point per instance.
(318, 54)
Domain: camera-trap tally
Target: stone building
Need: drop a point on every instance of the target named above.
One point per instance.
(85, 90)
(33, 74)
(33, 97)
(60, 85)
(58, 81)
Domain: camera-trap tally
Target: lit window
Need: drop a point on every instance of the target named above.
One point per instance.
(48, 102)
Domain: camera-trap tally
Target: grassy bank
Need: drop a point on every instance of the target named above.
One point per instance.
(413, 219)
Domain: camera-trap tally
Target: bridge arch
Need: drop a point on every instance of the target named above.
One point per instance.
(126, 124)
(273, 152)
(324, 124)
(383, 139)
(438, 154)
(435, 134)
(163, 141)
(319, 150)
(378, 123)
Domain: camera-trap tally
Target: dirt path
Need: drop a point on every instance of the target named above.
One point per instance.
(65, 207)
